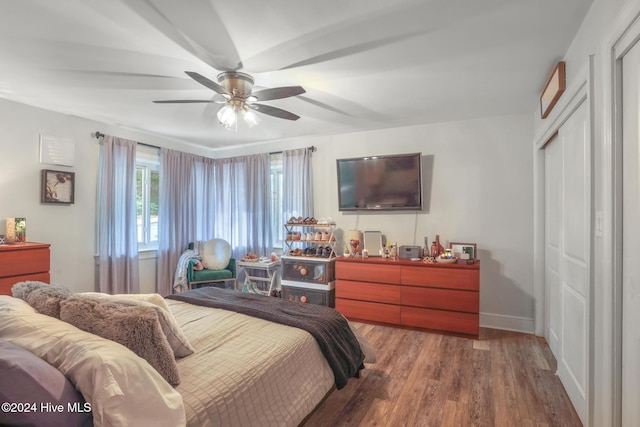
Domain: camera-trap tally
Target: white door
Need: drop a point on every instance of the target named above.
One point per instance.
(567, 254)
(630, 240)
(553, 223)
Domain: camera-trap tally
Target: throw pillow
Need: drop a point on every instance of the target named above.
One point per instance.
(27, 379)
(176, 338)
(43, 297)
(216, 254)
(22, 289)
(136, 327)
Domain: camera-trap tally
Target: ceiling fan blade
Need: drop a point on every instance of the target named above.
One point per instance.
(278, 93)
(207, 83)
(274, 111)
(198, 29)
(183, 101)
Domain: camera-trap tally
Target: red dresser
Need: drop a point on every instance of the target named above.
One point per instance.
(444, 297)
(23, 261)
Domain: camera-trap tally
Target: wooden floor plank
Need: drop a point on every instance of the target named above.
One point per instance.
(426, 379)
(481, 412)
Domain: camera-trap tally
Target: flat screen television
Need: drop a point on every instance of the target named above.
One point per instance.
(391, 182)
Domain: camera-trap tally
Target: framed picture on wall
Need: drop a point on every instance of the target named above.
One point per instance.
(553, 89)
(57, 187)
(458, 249)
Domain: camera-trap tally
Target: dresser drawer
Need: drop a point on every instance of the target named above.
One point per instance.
(464, 323)
(18, 262)
(368, 272)
(363, 310)
(311, 296)
(7, 282)
(308, 270)
(450, 278)
(375, 292)
(445, 299)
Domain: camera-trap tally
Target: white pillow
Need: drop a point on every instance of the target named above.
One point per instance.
(216, 254)
(177, 340)
(122, 388)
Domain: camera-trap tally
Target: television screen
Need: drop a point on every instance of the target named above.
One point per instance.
(392, 182)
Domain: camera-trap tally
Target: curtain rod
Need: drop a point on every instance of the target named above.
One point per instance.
(99, 134)
(313, 149)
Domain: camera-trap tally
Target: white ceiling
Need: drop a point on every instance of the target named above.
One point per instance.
(365, 64)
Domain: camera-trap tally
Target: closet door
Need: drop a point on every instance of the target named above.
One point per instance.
(630, 239)
(567, 254)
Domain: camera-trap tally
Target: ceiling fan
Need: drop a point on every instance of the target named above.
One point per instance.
(238, 99)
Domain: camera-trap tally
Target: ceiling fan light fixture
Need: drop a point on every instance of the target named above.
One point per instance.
(227, 116)
(234, 91)
(250, 118)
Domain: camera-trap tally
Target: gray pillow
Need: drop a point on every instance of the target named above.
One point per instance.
(25, 378)
(22, 289)
(176, 338)
(136, 327)
(43, 297)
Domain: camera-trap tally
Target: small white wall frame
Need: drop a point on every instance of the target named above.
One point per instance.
(57, 151)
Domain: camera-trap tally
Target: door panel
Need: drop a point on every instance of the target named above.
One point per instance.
(567, 249)
(553, 186)
(630, 239)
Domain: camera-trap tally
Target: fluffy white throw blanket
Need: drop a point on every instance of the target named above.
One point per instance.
(180, 280)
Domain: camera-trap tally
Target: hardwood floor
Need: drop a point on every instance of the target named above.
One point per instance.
(426, 379)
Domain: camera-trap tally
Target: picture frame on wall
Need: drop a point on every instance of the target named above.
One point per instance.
(553, 89)
(460, 249)
(57, 187)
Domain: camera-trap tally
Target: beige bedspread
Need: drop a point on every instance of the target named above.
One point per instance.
(247, 371)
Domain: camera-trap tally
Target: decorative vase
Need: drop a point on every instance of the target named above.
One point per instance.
(434, 250)
(438, 245)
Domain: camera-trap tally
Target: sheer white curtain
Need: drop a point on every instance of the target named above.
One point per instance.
(203, 198)
(242, 198)
(176, 213)
(297, 185)
(205, 206)
(117, 221)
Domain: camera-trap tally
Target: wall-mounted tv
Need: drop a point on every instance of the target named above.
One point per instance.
(390, 182)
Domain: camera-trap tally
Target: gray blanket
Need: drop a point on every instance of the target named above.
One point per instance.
(330, 329)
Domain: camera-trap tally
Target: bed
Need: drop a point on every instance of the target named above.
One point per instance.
(243, 371)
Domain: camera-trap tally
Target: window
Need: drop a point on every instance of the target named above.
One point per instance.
(147, 194)
(277, 222)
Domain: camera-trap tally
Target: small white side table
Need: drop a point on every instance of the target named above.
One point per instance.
(271, 268)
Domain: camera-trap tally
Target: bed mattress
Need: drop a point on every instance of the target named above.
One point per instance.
(247, 371)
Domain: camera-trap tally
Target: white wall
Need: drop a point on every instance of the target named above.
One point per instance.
(69, 229)
(481, 191)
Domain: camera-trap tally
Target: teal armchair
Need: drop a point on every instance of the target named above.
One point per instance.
(196, 277)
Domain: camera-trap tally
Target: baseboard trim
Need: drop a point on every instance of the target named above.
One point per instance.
(508, 323)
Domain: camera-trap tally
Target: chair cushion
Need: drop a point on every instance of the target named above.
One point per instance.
(212, 275)
(216, 254)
